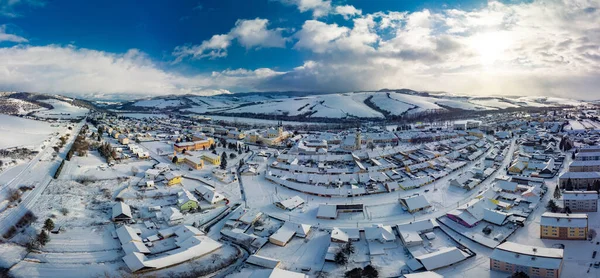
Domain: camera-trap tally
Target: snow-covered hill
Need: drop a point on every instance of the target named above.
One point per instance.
(380, 104)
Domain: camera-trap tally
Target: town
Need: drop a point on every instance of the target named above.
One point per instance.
(133, 194)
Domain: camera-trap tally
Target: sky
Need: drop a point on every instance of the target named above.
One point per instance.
(124, 49)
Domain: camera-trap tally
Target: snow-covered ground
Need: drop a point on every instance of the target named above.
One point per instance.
(23, 132)
(62, 110)
(158, 103)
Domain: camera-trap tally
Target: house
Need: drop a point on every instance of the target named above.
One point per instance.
(123, 139)
(186, 200)
(151, 174)
(517, 167)
(173, 178)
(261, 261)
(381, 233)
(209, 194)
(290, 203)
(564, 226)
(443, 257)
(212, 158)
(162, 167)
(511, 257)
(172, 216)
(188, 249)
(581, 201)
(415, 203)
(506, 186)
(471, 213)
(121, 212)
(326, 211)
(410, 233)
(250, 216)
(194, 162)
(344, 235)
(282, 236)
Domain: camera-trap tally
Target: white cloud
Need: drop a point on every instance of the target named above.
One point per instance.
(254, 33)
(5, 37)
(319, 8)
(70, 70)
(347, 11)
(319, 37)
(251, 33)
(7, 7)
(215, 47)
(543, 47)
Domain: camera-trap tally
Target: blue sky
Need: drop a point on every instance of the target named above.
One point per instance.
(207, 47)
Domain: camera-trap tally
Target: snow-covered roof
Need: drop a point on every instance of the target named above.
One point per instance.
(127, 234)
(250, 216)
(576, 220)
(172, 214)
(327, 211)
(121, 208)
(495, 216)
(185, 197)
(580, 175)
(135, 246)
(506, 185)
(441, 258)
(580, 195)
(284, 234)
(416, 202)
(380, 232)
(265, 262)
(292, 203)
(531, 256)
(424, 274)
(171, 175)
(193, 247)
(153, 172)
(585, 163)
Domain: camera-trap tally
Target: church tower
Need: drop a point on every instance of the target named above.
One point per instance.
(279, 128)
(357, 140)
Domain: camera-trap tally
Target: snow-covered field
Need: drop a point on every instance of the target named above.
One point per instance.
(158, 103)
(143, 115)
(23, 132)
(62, 110)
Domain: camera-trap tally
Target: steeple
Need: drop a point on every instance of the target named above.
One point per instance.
(357, 140)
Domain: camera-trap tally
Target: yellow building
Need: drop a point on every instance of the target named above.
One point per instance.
(194, 162)
(194, 145)
(564, 226)
(173, 178)
(212, 158)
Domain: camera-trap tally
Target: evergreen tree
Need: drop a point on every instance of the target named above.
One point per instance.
(340, 258)
(43, 238)
(569, 186)
(370, 272)
(174, 159)
(552, 206)
(223, 165)
(557, 193)
(348, 248)
(49, 225)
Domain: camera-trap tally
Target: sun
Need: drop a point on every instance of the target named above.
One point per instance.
(491, 46)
